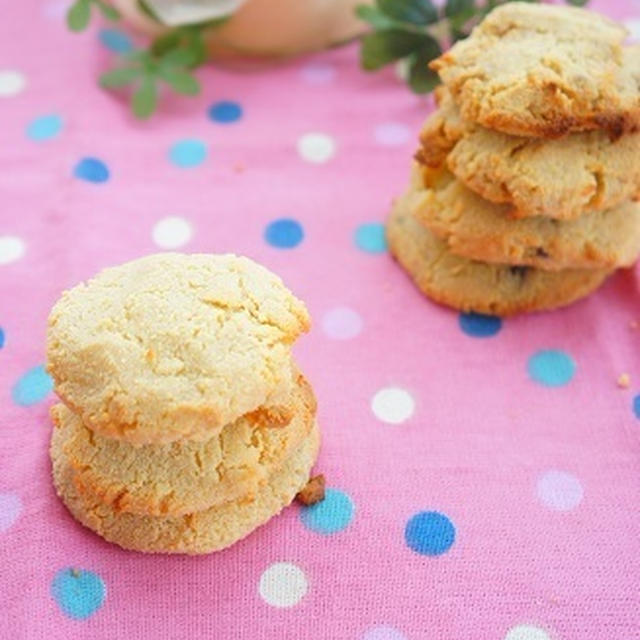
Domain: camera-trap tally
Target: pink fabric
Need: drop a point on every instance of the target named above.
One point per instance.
(539, 484)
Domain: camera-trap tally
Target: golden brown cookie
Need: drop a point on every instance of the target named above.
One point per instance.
(200, 532)
(543, 70)
(173, 346)
(561, 179)
(475, 286)
(184, 476)
(481, 230)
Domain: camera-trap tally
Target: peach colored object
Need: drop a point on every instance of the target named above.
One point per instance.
(269, 28)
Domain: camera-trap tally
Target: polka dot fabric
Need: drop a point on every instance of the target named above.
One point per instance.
(482, 475)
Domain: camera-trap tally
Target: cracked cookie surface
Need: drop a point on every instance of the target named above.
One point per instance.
(482, 230)
(475, 286)
(186, 476)
(201, 532)
(173, 346)
(544, 70)
(561, 179)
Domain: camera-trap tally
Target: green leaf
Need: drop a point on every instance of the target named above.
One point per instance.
(180, 57)
(78, 15)
(577, 3)
(115, 78)
(413, 11)
(144, 98)
(455, 7)
(374, 17)
(180, 81)
(382, 47)
(421, 78)
(107, 10)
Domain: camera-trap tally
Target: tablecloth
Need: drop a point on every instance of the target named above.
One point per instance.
(483, 475)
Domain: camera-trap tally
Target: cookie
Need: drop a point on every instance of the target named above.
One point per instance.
(173, 346)
(475, 286)
(544, 71)
(560, 179)
(201, 532)
(186, 476)
(482, 230)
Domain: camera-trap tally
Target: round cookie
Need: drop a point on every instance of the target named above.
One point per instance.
(186, 476)
(561, 179)
(481, 230)
(543, 71)
(173, 346)
(201, 532)
(475, 286)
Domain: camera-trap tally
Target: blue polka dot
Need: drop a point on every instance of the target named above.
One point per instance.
(331, 515)
(636, 406)
(370, 237)
(551, 368)
(1, 337)
(284, 233)
(115, 40)
(188, 153)
(430, 533)
(32, 387)
(44, 127)
(225, 112)
(91, 170)
(479, 325)
(78, 593)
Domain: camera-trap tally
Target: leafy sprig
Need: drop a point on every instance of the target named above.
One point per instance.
(416, 31)
(169, 60)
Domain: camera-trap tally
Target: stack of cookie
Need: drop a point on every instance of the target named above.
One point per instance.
(185, 423)
(522, 193)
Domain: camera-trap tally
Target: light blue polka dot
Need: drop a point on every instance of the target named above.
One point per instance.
(636, 406)
(1, 337)
(78, 593)
(479, 325)
(551, 368)
(370, 237)
(225, 112)
(188, 153)
(116, 41)
(44, 127)
(284, 233)
(91, 170)
(429, 533)
(34, 386)
(331, 515)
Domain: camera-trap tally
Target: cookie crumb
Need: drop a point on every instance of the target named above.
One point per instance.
(624, 381)
(74, 572)
(312, 492)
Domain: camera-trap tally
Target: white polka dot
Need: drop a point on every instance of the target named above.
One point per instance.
(383, 633)
(559, 490)
(11, 249)
(341, 323)
(317, 73)
(56, 9)
(392, 405)
(527, 632)
(283, 585)
(10, 508)
(633, 26)
(316, 148)
(11, 82)
(172, 232)
(391, 134)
